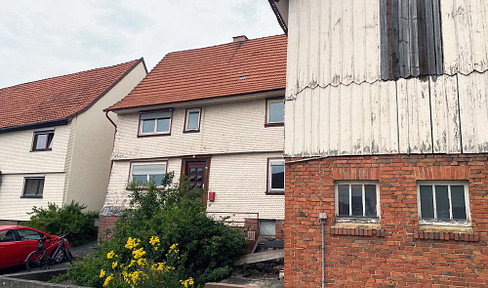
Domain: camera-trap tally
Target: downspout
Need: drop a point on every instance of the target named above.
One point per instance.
(111, 121)
(322, 218)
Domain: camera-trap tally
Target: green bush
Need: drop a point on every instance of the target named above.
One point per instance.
(58, 221)
(174, 214)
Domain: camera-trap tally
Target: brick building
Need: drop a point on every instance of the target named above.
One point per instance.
(385, 131)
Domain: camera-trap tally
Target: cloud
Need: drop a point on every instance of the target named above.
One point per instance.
(40, 39)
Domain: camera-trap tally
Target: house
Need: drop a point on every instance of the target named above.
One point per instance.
(215, 115)
(56, 141)
(386, 143)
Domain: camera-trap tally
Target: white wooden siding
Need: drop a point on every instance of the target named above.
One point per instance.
(337, 104)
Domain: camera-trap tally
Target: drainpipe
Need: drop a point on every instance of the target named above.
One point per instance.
(322, 218)
(111, 121)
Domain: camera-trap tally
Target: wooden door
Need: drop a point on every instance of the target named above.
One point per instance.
(197, 171)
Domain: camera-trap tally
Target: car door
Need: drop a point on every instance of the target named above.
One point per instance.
(28, 242)
(9, 249)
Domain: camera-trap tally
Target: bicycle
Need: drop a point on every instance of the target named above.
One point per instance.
(43, 259)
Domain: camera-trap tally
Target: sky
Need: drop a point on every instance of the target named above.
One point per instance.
(42, 39)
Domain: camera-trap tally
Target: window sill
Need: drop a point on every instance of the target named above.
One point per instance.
(358, 229)
(31, 197)
(446, 233)
(43, 150)
(271, 192)
(191, 131)
(279, 124)
(154, 134)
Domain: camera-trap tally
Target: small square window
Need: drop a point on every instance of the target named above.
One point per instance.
(192, 120)
(443, 203)
(275, 112)
(357, 200)
(33, 187)
(143, 173)
(43, 141)
(276, 176)
(155, 123)
(267, 228)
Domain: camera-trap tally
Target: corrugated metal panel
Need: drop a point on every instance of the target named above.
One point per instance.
(445, 114)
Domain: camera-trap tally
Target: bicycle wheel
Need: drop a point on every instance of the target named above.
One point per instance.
(36, 259)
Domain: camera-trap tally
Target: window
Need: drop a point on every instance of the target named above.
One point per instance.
(27, 234)
(33, 187)
(443, 202)
(411, 40)
(357, 199)
(155, 123)
(142, 173)
(275, 112)
(276, 176)
(192, 122)
(43, 141)
(7, 236)
(267, 228)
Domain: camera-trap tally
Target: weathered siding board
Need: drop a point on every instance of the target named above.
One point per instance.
(473, 99)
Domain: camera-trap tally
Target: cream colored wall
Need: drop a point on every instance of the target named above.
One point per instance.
(18, 162)
(90, 163)
(232, 127)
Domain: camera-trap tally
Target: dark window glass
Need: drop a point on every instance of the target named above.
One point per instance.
(458, 203)
(148, 126)
(7, 236)
(278, 176)
(343, 200)
(370, 200)
(426, 202)
(33, 187)
(158, 178)
(26, 234)
(442, 202)
(276, 112)
(357, 200)
(139, 178)
(193, 120)
(163, 125)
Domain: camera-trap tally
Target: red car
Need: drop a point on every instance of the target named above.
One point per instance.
(16, 242)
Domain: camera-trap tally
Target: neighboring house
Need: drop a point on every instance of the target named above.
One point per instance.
(386, 132)
(56, 141)
(213, 114)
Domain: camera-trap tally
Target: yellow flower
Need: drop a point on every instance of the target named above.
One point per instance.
(107, 281)
(132, 262)
(173, 247)
(110, 255)
(138, 253)
(141, 262)
(154, 240)
(132, 243)
(114, 264)
(187, 283)
(102, 273)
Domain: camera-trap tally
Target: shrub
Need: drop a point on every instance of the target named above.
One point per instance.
(175, 215)
(57, 220)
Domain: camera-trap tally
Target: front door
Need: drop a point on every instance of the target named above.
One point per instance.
(197, 169)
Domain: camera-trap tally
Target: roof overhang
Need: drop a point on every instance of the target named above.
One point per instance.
(38, 125)
(280, 8)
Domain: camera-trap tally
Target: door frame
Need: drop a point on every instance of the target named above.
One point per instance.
(206, 159)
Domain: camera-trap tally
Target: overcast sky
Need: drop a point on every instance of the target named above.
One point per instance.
(41, 39)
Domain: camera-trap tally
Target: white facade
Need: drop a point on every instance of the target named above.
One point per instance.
(232, 134)
(77, 167)
(337, 103)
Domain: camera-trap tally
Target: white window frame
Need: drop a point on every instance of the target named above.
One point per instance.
(451, 222)
(270, 175)
(154, 132)
(373, 219)
(268, 114)
(131, 176)
(188, 111)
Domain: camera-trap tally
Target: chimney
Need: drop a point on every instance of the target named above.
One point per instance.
(241, 38)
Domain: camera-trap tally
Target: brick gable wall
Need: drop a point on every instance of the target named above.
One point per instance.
(398, 253)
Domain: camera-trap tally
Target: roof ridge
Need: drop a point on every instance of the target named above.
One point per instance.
(73, 73)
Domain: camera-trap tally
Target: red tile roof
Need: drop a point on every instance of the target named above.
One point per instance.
(58, 97)
(230, 69)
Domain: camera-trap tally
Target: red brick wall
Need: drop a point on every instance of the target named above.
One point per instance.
(397, 255)
(105, 224)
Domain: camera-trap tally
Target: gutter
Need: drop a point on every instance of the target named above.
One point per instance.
(45, 124)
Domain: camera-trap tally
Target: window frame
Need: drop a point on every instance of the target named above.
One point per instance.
(187, 113)
(49, 140)
(435, 221)
(149, 162)
(267, 123)
(37, 193)
(352, 218)
(269, 189)
(155, 133)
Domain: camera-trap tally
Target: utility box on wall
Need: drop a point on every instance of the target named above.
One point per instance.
(211, 196)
